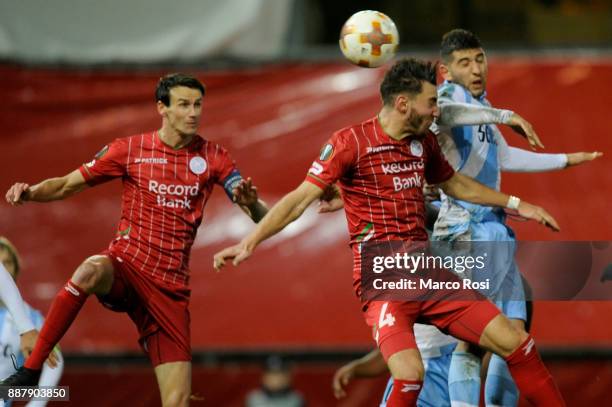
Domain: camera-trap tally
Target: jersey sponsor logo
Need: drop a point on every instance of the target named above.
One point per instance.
(397, 168)
(416, 148)
(379, 149)
(326, 152)
(165, 193)
(198, 165)
(403, 183)
(151, 160)
(316, 168)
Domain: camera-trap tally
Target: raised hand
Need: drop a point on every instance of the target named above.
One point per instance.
(238, 253)
(341, 379)
(538, 214)
(524, 128)
(245, 193)
(16, 194)
(580, 158)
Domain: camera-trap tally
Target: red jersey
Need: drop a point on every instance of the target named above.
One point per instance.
(164, 193)
(381, 180)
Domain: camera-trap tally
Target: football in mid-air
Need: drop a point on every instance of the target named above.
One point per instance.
(369, 38)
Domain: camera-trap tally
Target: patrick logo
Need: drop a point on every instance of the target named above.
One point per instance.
(72, 290)
(527, 348)
(410, 387)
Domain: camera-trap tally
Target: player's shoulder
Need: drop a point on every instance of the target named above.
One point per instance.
(207, 147)
(138, 139)
(454, 92)
(353, 133)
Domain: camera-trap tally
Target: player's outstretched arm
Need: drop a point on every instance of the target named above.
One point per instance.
(371, 365)
(288, 209)
(51, 189)
(245, 195)
(464, 188)
(514, 159)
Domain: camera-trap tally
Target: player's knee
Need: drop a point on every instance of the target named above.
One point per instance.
(511, 342)
(176, 398)
(406, 366)
(93, 275)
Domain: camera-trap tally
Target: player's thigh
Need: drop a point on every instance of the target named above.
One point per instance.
(95, 275)
(174, 380)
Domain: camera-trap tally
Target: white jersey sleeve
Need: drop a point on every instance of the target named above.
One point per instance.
(454, 114)
(9, 295)
(456, 109)
(514, 159)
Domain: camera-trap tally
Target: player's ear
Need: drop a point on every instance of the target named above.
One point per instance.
(402, 103)
(161, 108)
(445, 72)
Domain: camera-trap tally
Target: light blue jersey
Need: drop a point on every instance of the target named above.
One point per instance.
(477, 151)
(473, 151)
(10, 340)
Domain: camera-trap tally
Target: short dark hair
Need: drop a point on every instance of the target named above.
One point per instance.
(407, 75)
(457, 40)
(162, 93)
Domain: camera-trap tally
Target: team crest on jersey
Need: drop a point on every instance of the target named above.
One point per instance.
(416, 148)
(101, 153)
(198, 165)
(326, 152)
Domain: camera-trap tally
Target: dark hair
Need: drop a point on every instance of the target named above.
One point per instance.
(457, 40)
(162, 93)
(407, 75)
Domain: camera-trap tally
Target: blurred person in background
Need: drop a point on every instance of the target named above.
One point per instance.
(276, 388)
(10, 338)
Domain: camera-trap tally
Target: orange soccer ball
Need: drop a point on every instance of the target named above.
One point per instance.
(369, 38)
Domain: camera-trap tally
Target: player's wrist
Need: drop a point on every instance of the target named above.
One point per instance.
(507, 117)
(26, 195)
(514, 202)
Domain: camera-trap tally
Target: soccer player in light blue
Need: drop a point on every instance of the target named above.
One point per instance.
(19, 324)
(481, 152)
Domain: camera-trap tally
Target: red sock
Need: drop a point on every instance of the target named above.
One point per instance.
(405, 393)
(531, 376)
(64, 309)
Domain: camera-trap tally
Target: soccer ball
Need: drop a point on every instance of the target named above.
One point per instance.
(369, 38)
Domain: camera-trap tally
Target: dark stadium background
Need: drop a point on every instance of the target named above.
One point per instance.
(549, 61)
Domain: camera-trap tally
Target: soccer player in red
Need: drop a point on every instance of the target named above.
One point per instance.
(168, 176)
(380, 166)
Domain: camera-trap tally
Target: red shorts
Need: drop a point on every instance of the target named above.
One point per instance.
(160, 312)
(392, 322)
